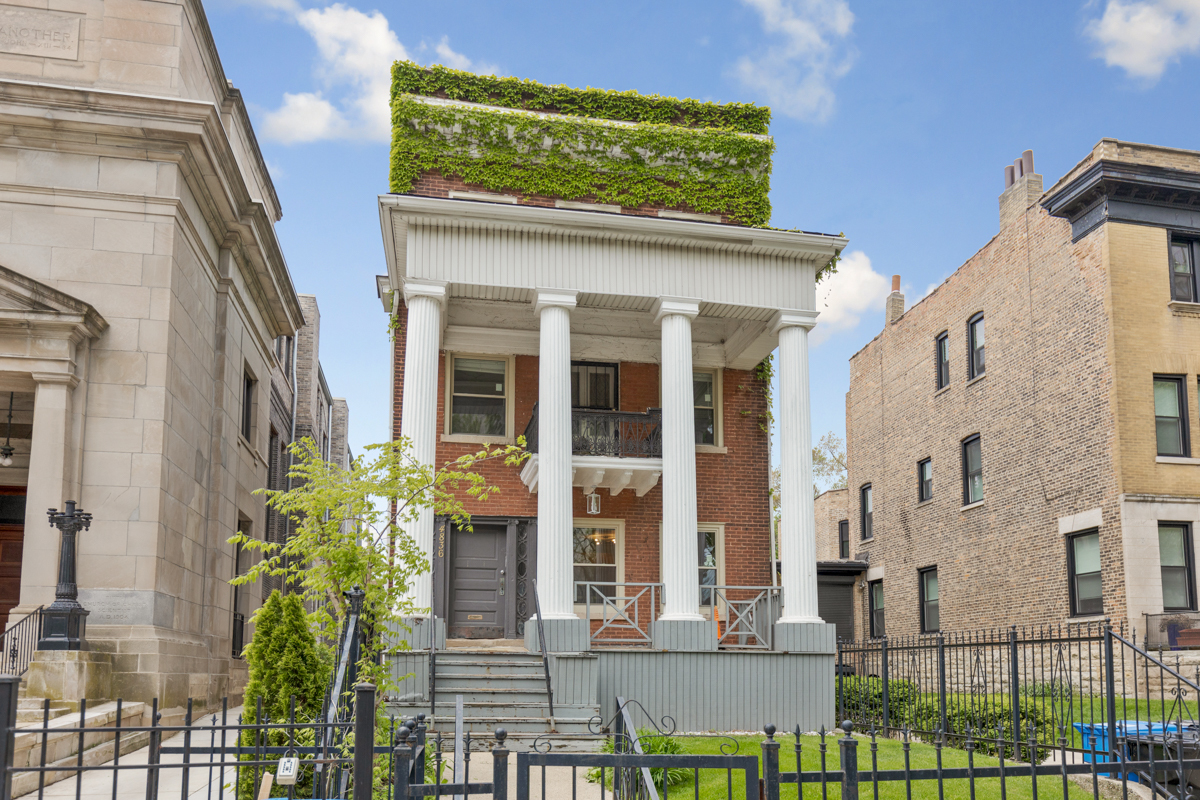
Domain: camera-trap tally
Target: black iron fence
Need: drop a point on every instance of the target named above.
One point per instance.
(1015, 685)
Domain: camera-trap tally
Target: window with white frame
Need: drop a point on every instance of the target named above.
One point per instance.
(596, 559)
(479, 396)
(706, 399)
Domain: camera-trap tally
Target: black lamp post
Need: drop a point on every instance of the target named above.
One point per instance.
(64, 621)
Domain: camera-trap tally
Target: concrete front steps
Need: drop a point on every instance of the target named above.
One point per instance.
(502, 688)
(62, 745)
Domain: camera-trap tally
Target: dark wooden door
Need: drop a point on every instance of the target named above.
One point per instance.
(478, 582)
(12, 545)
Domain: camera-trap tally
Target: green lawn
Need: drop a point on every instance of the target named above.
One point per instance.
(890, 756)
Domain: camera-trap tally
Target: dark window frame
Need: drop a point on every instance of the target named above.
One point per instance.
(249, 387)
(844, 538)
(966, 473)
(974, 370)
(1072, 577)
(1180, 382)
(876, 617)
(508, 396)
(923, 601)
(924, 489)
(941, 360)
(866, 519)
(1188, 279)
(1189, 564)
(616, 368)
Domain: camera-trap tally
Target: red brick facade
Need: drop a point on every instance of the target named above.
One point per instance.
(732, 486)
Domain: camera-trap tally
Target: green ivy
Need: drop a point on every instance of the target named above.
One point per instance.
(708, 170)
(439, 81)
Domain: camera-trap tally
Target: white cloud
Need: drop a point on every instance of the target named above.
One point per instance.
(447, 57)
(1144, 36)
(355, 52)
(796, 73)
(845, 296)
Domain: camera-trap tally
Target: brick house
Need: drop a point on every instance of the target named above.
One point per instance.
(1053, 480)
(624, 342)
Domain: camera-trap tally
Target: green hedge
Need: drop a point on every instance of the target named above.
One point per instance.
(439, 81)
(709, 170)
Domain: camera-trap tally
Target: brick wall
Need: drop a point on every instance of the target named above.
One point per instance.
(732, 486)
(1044, 415)
(830, 508)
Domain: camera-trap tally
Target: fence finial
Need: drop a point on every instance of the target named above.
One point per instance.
(847, 726)
(402, 734)
(501, 735)
(769, 730)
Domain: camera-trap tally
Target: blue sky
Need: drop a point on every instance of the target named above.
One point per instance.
(893, 123)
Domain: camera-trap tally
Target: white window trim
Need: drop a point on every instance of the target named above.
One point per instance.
(718, 445)
(702, 527)
(510, 370)
(595, 522)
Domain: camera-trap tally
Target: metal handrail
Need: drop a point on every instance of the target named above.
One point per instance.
(621, 604)
(432, 666)
(537, 604)
(626, 736)
(749, 621)
(20, 642)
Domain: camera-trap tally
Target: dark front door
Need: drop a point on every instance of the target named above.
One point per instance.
(478, 582)
(12, 544)
(835, 603)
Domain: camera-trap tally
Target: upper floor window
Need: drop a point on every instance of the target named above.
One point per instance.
(593, 385)
(283, 353)
(704, 393)
(875, 601)
(479, 396)
(975, 361)
(1083, 567)
(866, 510)
(1183, 271)
(942, 358)
(924, 480)
(248, 386)
(1170, 415)
(844, 539)
(972, 460)
(1175, 561)
(929, 600)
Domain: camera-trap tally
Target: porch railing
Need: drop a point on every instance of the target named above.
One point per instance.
(745, 615)
(626, 611)
(617, 434)
(1166, 631)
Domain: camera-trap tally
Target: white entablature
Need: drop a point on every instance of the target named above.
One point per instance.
(493, 257)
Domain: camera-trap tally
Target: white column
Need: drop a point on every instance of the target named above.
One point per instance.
(49, 477)
(418, 406)
(555, 512)
(797, 529)
(680, 550)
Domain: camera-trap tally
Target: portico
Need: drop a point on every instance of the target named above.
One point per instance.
(548, 300)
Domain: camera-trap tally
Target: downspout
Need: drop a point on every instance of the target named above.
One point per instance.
(287, 520)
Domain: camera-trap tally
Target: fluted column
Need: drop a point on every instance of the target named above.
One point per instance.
(680, 555)
(418, 406)
(555, 512)
(797, 529)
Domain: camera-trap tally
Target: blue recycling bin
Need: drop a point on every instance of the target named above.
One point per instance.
(1096, 735)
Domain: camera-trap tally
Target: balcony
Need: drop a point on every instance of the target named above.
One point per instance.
(614, 450)
(613, 434)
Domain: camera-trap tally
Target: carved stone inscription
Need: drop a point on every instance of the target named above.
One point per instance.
(32, 32)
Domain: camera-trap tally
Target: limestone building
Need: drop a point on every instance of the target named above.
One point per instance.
(1019, 441)
(147, 320)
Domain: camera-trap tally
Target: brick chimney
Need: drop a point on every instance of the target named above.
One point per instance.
(895, 301)
(1022, 189)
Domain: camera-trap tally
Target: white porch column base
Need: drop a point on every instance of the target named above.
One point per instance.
(680, 549)
(418, 409)
(555, 573)
(797, 529)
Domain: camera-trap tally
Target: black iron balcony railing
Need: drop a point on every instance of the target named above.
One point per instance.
(619, 434)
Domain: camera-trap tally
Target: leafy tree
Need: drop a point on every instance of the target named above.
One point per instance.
(349, 531)
(829, 461)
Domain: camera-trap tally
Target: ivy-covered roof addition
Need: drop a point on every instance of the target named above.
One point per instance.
(620, 148)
